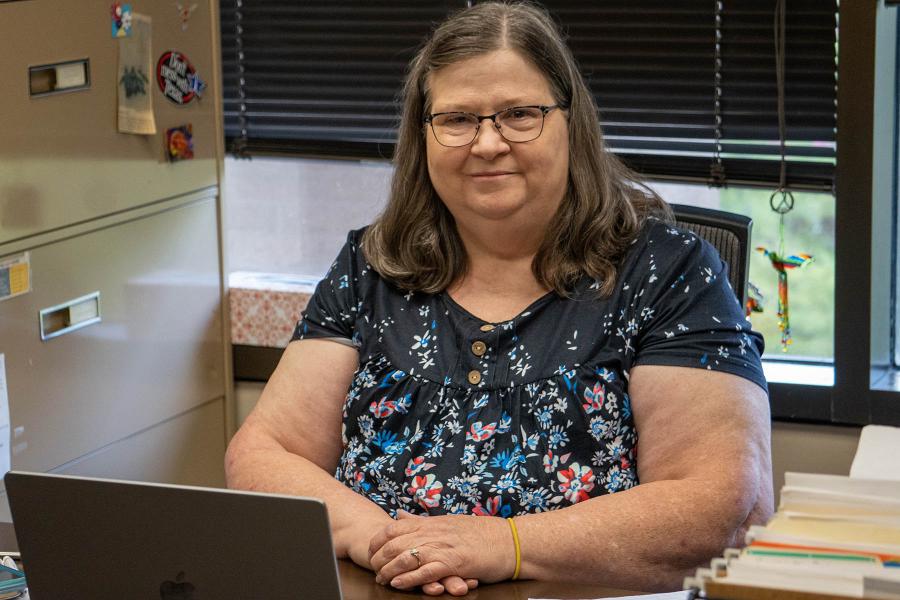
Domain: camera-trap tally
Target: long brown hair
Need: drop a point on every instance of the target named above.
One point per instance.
(414, 242)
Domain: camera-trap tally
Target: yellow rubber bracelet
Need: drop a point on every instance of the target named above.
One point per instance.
(515, 534)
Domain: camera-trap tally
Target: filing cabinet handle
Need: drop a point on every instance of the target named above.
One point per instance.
(69, 316)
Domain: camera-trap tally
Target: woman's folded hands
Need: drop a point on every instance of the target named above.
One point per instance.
(453, 551)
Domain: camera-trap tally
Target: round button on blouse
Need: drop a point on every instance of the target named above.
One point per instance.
(474, 377)
(487, 327)
(479, 348)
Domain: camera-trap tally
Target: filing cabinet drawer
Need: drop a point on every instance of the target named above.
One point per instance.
(156, 350)
(62, 158)
(186, 450)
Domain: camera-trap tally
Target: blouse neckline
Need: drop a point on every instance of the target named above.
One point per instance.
(448, 299)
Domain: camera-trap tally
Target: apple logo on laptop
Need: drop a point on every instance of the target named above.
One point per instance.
(177, 590)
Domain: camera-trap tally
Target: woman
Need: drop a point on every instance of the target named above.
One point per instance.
(519, 316)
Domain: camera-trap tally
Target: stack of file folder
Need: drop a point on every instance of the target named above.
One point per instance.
(833, 537)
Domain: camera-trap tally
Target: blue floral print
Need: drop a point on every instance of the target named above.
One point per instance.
(539, 418)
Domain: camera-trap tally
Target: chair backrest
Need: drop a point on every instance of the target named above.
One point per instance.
(729, 233)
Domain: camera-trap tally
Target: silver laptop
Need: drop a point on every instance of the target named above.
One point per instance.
(105, 539)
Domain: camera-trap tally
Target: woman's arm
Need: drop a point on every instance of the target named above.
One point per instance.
(291, 444)
(705, 471)
(291, 441)
(704, 466)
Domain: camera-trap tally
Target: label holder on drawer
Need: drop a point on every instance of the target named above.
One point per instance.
(59, 78)
(70, 316)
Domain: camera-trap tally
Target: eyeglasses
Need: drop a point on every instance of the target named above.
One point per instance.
(515, 124)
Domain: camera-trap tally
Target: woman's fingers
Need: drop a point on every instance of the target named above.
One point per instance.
(427, 573)
(454, 585)
(434, 588)
(390, 532)
(388, 563)
(400, 552)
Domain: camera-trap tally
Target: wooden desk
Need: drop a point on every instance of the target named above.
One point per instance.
(359, 584)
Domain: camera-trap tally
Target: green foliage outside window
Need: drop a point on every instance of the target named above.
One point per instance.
(808, 228)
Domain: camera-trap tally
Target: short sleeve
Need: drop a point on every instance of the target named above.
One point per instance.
(332, 309)
(693, 317)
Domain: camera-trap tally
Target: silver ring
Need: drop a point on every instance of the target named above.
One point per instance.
(415, 554)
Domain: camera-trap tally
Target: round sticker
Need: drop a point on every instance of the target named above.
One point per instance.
(177, 78)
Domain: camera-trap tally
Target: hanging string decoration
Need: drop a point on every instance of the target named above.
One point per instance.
(780, 261)
(782, 264)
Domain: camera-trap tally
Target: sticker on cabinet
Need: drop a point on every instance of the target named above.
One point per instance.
(180, 143)
(184, 13)
(15, 275)
(121, 19)
(177, 78)
(135, 113)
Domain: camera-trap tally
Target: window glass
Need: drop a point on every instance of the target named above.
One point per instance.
(809, 229)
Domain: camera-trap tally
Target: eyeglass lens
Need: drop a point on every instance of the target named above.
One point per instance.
(520, 124)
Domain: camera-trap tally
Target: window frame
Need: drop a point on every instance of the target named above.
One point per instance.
(866, 389)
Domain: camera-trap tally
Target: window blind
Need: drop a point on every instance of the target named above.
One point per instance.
(652, 67)
(318, 77)
(321, 78)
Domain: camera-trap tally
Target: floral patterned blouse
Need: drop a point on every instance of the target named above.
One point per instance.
(451, 414)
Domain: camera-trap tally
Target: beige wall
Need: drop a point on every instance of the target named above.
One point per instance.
(812, 449)
(804, 448)
(246, 394)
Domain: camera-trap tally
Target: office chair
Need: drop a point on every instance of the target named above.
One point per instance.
(729, 233)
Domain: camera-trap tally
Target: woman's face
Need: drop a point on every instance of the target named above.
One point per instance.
(492, 178)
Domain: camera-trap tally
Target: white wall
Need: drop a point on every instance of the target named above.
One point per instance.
(292, 216)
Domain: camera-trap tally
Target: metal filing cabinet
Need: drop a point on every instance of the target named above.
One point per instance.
(112, 230)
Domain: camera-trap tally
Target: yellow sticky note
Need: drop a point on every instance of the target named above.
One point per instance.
(18, 278)
(15, 276)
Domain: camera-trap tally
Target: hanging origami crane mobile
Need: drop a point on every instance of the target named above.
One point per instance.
(782, 264)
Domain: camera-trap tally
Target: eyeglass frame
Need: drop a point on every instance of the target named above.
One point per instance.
(429, 120)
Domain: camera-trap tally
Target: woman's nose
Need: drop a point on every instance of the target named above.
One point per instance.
(488, 141)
